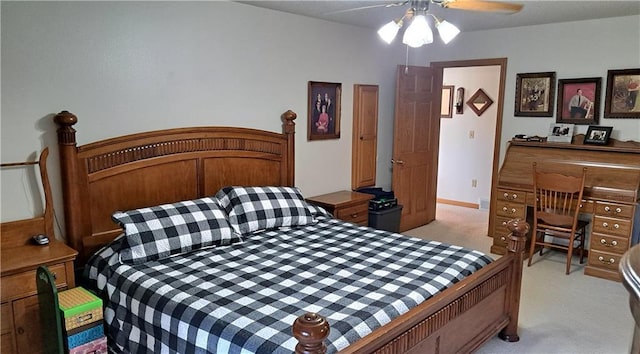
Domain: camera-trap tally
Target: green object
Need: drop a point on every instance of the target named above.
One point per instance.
(49, 314)
(78, 300)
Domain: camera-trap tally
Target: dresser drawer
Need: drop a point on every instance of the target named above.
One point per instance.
(24, 284)
(606, 243)
(512, 196)
(511, 210)
(612, 226)
(604, 260)
(357, 214)
(613, 209)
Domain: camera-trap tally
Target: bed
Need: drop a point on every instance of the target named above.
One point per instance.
(450, 311)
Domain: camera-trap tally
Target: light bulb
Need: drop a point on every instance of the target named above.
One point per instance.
(418, 32)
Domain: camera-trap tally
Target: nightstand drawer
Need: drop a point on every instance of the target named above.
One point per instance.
(358, 214)
(24, 284)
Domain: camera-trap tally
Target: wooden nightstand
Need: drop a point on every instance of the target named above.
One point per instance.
(346, 205)
(20, 321)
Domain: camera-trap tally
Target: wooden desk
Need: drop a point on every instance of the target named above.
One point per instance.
(611, 194)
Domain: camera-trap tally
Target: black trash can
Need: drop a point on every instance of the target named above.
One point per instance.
(386, 219)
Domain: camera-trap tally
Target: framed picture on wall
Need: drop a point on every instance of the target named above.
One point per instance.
(621, 98)
(535, 94)
(446, 108)
(578, 101)
(323, 121)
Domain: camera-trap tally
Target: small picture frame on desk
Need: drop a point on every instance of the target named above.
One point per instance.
(560, 133)
(597, 135)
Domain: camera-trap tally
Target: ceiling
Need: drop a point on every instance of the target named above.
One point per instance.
(533, 13)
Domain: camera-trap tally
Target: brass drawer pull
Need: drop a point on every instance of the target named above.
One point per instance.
(503, 239)
(608, 209)
(611, 260)
(504, 223)
(510, 197)
(353, 216)
(506, 210)
(605, 224)
(613, 243)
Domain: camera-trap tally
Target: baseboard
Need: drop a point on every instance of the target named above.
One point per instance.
(458, 203)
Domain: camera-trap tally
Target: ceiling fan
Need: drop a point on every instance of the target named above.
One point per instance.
(418, 32)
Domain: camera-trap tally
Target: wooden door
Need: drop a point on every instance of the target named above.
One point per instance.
(365, 136)
(415, 143)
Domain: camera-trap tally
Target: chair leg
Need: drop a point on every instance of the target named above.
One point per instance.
(582, 237)
(532, 247)
(570, 253)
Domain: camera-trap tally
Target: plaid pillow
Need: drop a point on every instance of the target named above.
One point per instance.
(156, 232)
(259, 208)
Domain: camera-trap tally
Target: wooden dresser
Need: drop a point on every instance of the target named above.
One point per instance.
(20, 330)
(611, 194)
(346, 205)
(20, 321)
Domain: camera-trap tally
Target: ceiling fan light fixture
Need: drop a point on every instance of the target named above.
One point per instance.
(418, 33)
(389, 31)
(447, 31)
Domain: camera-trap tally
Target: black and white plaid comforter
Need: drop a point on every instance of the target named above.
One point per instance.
(245, 297)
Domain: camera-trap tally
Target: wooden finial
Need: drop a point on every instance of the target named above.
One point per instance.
(66, 133)
(519, 229)
(289, 124)
(65, 119)
(311, 330)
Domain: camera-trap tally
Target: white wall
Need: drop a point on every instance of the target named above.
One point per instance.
(461, 157)
(126, 67)
(572, 49)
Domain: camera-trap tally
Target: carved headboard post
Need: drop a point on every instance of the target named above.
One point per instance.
(290, 129)
(68, 161)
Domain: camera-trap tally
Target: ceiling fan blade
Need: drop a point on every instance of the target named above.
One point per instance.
(401, 3)
(482, 5)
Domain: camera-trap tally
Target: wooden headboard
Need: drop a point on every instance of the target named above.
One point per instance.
(159, 167)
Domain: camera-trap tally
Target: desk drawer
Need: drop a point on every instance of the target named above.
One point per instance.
(604, 260)
(615, 210)
(606, 243)
(612, 226)
(511, 210)
(24, 284)
(357, 214)
(512, 196)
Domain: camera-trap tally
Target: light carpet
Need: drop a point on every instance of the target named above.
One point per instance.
(559, 313)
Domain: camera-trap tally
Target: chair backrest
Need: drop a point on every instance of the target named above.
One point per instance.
(558, 197)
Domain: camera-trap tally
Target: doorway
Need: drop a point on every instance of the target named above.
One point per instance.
(473, 139)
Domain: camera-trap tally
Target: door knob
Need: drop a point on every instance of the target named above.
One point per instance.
(399, 162)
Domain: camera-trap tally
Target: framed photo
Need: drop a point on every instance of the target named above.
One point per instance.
(560, 133)
(597, 135)
(446, 108)
(535, 94)
(323, 121)
(621, 99)
(578, 101)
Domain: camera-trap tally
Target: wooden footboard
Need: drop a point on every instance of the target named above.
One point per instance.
(459, 319)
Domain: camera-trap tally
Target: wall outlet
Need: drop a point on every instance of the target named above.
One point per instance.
(472, 134)
(474, 183)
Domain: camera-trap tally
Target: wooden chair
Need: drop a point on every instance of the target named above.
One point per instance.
(555, 214)
(52, 340)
